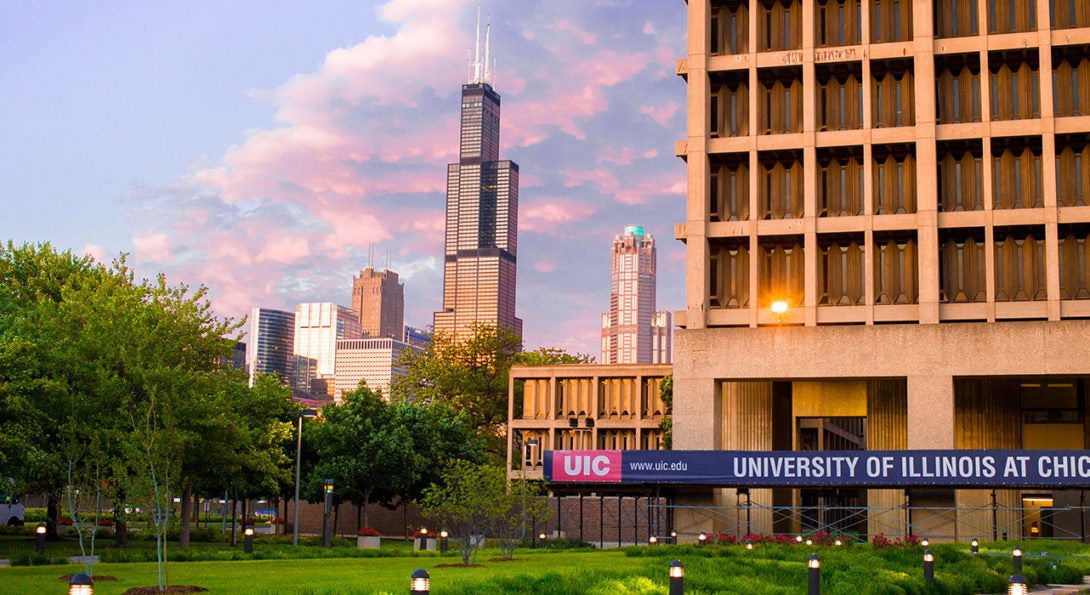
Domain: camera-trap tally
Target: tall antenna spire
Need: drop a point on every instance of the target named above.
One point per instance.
(482, 67)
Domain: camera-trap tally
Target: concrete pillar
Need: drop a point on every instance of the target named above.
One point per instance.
(930, 412)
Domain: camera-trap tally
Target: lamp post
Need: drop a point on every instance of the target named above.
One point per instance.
(298, 460)
(39, 531)
(421, 581)
(327, 510)
(443, 541)
(677, 578)
(928, 567)
(248, 545)
(1017, 585)
(81, 584)
(813, 586)
(1016, 559)
(530, 444)
(974, 546)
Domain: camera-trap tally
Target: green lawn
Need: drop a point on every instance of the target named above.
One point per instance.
(768, 569)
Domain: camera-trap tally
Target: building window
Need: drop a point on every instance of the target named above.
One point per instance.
(839, 22)
(781, 105)
(894, 179)
(1012, 16)
(1016, 177)
(840, 275)
(955, 18)
(782, 25)
(840, 98)
(729, 31)
(781, 191)
(962, 266)
(1072, 173)
(959, 176)
(1074, 271)
(729, 275)
(1069, 14)
(958, 88)
(840, 185)
(895, 269)
(1015, 85)
(891, 20)
(1020, 265)
(729, 188)
(893, 97)
(1070, 91)
(783, 271)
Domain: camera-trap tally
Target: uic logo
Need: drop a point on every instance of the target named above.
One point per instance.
(586, 465)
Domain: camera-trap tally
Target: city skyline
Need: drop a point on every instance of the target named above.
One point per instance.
(261, 152)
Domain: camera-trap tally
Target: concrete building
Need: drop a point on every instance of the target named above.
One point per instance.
(886, 244)
(482, 217)
(632, 331)
(318, 327)
(379, 299)
(270, 343)
(373, 361)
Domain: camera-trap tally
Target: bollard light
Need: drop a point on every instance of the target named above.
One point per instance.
(1017, 585)
(838, 543)
(702, 538)
(40, 532)
(1016, 559)
(974, 546)
(677, 578)
(248, 545)
(443, 535)
(925, 542)
(749, 544)
(928, 566)
(421, 582)
(809, 542)
(81, 584)
(327, 511)
(814, 584)
(673, 536)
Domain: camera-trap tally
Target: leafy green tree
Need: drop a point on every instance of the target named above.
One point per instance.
(524, 509)
(468, 503)
(666, 391)
(551, 356)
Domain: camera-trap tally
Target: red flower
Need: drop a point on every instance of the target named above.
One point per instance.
(368, 532)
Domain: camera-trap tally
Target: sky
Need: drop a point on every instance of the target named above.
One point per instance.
(266, 148)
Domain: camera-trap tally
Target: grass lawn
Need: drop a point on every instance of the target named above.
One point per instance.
(277, 567)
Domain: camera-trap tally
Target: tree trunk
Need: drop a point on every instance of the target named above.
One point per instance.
(234, 511)
(187, 511)
(336, 515)
(52, 512)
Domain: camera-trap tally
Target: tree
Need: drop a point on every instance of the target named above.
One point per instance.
(666, 391)
(468, 503)
(551, 356)
(524, 509)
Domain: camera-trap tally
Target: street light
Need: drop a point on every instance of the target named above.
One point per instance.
(421, 582)
(677, 578)
(327, 534)
(81, 584)
(814, 585)
(928, 566)
(40, 532)
(298, 460)
(1017, 585)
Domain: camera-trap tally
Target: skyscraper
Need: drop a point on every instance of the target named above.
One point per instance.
(270, 343)
(318, 326)
(632, 332)
(379, 299)
(482, 216)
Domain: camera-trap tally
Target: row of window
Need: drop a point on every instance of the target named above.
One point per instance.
(623, 398)
(1019, 263)
(1016, 180)
(1014, 79)
(840, 22)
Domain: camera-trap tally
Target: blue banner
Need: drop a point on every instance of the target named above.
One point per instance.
(875, 469)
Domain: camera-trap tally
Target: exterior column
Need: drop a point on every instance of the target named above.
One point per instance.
(930, 412)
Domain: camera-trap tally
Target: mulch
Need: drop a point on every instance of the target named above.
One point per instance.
(99, 578)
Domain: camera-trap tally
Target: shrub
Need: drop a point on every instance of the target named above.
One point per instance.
(368, 532)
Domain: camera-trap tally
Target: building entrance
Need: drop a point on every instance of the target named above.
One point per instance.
(834, 510)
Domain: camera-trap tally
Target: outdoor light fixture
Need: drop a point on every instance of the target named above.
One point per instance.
(928, 566)
(652, 540)
(798, 539)
(329, 485)
(749, 544)
(925, 542)
(443, 535)
(702, 538)
(809, 542)
(974, 546)
(248, 546)
(40, 531)
(673, 536)
(1017, 585)
(542, 536)
(327, 532)
(1016, 558)
(677, 578)
(838, 543)
(779, 307)
(813, 586)
(81, 584)
(421, 581)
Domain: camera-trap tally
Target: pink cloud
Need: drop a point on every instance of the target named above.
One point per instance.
(98, 253)
(604, 180)
(544, 266)
(568, 27)
(154, 247)
(544, 216)
(661, 115)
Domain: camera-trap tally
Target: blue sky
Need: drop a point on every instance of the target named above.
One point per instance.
(260, 148)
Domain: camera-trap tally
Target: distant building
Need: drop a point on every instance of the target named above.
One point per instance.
(318, 327)
(270, 342)
(379, 299)
(417, 337)
(632, 331)
(370, 360)
(482, 217)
